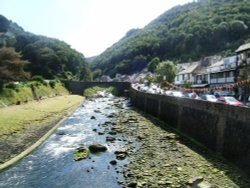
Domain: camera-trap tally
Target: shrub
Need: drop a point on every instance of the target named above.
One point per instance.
(11, 86)
(52, 83)
(39, 79)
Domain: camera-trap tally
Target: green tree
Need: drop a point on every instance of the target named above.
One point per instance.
(97, 74)
(166, 70)
(11, 66)
(153, 64)
(4, 24)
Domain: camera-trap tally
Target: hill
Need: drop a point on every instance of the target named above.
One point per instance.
(48, 57)
(183, 33)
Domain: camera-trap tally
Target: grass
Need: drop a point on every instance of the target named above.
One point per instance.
(16, 118)
(12, 93)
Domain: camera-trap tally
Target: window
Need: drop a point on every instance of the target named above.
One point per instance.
(220, 75)
(231, 74)
(248, 54)
(213, 76)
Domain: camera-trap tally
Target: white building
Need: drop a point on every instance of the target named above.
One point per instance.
(186, 74)
(209, 72)
(222, 72)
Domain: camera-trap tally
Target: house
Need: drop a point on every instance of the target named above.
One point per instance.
(186, 73)
(222, 72)
(243, 70)
(201, 74)
(196, 73)
(105, 78)
(243, 53)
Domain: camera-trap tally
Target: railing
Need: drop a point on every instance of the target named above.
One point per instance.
(200, 82)
(222, 80)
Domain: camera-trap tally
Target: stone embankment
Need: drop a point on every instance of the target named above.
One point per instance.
(160, 157)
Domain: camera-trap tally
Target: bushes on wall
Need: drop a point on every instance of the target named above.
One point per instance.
(16, 93)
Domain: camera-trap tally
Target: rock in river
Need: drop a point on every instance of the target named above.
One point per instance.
(81, 153)
(110, 139)
(94, 148)
(114, 162)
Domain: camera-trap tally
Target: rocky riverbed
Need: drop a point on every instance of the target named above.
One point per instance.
(160, 157)
(105, 143)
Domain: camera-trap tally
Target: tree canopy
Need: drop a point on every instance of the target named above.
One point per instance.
(184, 33)
(48, 57)
(11, 66)
(166, 70)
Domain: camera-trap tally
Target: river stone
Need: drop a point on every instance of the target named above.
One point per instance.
(112, 133)
(120, 182)
(61, 133)
(93, 117)
(110, 139)
(81, 153)
(114, 162)
(110, 116)
(132, 184)
(204, 185)
(171, 136)
(97, 111)
(121, 155)
(195, 180)
(94, 148)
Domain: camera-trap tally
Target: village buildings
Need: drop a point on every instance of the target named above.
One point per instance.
(215, 71)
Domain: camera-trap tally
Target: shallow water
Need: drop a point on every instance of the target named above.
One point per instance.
(52, 164)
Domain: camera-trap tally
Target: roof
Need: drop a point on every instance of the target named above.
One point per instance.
(243, 47)
(183, 66)
(217, 64)
(201, 70)
(190, 68)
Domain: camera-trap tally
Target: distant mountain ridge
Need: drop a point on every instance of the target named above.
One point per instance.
(48, 57)
(183, 33)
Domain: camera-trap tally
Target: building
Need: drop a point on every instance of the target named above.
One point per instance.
(243, 53)
(243, 70)
(186, 74)
(216, 72)
(222, 72)
(196, 74)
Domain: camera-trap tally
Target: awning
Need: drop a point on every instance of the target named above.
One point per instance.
(199, 85)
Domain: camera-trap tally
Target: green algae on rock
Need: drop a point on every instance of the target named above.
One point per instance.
(81, 153)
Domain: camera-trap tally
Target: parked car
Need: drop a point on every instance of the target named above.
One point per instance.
(176, 94)
(210, 98)
(144, 88)
(231, 101)
(192, 96)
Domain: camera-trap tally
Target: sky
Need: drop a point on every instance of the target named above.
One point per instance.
(89, 26)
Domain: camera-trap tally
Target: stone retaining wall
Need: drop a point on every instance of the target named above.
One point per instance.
(222, 128)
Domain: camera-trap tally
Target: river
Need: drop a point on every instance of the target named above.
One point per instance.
(156, 155)
(52, 164)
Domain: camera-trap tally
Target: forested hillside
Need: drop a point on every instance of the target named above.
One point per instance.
(37, 55)
(184, 33)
